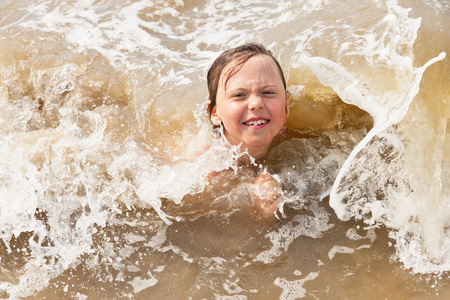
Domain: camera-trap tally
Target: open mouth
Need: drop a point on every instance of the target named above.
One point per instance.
(255, 123)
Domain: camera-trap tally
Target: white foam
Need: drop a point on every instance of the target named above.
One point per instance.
(140, 284)
(294, 289)
(353, 235)
(387, 107)
(339, 249)
(301, 225)
(78, 173)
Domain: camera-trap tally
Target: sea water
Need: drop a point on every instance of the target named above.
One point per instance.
(105, 145)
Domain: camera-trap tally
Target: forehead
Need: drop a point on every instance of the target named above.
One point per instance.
(258, 67)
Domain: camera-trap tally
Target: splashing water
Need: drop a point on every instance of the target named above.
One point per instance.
(105, 147)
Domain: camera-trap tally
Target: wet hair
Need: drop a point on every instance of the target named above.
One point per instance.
(240, 55)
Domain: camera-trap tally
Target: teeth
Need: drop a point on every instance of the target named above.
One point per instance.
(254, 123)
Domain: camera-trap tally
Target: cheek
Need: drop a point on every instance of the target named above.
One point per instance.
(230, 113)
(279, 110)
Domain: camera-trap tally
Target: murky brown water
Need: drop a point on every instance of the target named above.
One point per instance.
(103, 131)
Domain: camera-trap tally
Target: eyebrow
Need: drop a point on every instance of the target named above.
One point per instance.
(270, 85)
(263, 87)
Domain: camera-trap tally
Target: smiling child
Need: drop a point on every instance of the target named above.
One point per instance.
(248, 99)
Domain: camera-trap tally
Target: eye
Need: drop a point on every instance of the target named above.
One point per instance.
(238, 95)
(268, 93)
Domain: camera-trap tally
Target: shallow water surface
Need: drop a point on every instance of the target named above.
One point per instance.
(105, 145)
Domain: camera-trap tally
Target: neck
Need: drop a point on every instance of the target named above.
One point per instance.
(257, 152)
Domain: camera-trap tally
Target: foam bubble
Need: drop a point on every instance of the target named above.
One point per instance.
(294, 289)
(339, 249)
(140, 284)
(97, 117)
(301, 225)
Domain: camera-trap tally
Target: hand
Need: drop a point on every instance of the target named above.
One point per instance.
(266, 195)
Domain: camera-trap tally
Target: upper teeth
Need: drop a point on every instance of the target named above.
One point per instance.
(259, 122)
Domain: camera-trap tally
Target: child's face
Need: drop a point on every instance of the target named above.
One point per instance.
(253, 106)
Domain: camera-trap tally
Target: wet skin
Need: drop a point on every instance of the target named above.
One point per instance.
(252, 106)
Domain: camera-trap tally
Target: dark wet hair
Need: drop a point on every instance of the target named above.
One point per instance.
(240, 55)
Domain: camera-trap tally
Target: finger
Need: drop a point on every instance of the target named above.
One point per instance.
(269, 185)
(267, 210)
(273, 195)
(263, 178)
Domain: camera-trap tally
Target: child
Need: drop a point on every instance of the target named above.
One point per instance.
(248, 99)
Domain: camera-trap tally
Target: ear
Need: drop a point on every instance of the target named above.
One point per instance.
(215, 119)
(288, 97)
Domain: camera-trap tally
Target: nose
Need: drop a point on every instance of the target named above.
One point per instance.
(255, 102)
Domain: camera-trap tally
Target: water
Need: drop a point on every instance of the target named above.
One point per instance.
(105, 144)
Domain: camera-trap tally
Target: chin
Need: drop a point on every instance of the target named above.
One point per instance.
(259, 142)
